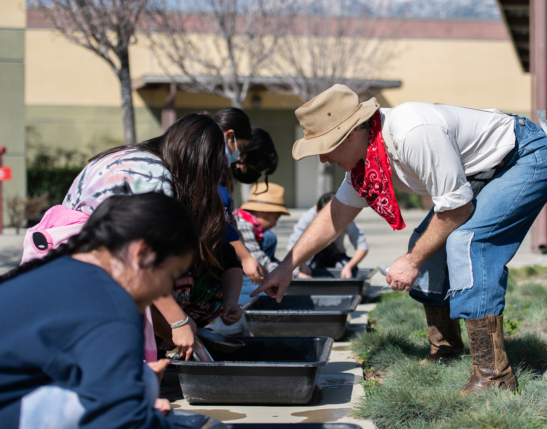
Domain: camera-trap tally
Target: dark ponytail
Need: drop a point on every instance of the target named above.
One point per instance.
(260, 154)
(234, 119)
(161, 221)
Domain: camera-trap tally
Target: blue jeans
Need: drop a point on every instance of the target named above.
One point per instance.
(470, 272)
(268, 246)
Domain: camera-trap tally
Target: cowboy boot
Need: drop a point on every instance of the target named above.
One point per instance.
(444, 335)
(490, 364)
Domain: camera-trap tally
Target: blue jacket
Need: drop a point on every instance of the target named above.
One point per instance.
(69, 326)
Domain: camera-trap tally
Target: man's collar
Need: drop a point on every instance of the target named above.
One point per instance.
(386, 134)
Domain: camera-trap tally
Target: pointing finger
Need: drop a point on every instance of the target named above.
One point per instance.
(189, 352)
(257, 291)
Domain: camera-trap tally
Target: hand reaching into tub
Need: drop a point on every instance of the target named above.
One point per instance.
(231, 312)
(305, 272)
(277, 282)
(183, 338)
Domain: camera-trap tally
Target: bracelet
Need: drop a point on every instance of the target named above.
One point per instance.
(180, 323)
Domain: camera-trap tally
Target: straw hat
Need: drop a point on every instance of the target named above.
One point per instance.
(271, 201)
(329, 118)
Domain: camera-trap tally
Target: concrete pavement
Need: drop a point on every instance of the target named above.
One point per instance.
(11, 249)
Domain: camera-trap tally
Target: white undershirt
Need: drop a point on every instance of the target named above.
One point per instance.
(438, 146)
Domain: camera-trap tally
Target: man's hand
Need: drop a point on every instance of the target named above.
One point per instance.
(231, 312)
(346, 272)
(403, 273)
(254, 270)
(276, 283)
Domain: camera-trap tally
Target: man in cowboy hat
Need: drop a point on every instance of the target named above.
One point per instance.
(487, 175)
(255, 218)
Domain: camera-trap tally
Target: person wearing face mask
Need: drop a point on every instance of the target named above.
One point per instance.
(256, 158)
(249, 153)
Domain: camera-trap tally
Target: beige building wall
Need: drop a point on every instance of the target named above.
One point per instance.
(78, 77)
(13, 14)
(475, 73)
(471, 73)
(73, 97)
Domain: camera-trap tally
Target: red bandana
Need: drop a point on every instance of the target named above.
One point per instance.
(259, 229)
(372, 179)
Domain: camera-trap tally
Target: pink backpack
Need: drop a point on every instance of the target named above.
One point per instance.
(55, 228)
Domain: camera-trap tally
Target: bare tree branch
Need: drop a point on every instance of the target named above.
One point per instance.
(334, 41)
(105, 27)
(330, 42)
(221, 46)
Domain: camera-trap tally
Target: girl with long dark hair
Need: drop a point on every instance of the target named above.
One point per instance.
(185, 162)
(71, 353)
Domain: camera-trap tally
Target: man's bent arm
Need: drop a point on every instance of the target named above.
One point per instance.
(403, 271)
(326, 227)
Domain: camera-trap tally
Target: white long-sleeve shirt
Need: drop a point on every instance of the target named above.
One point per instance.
(437, 147)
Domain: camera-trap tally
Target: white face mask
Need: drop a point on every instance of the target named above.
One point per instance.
(234, 156)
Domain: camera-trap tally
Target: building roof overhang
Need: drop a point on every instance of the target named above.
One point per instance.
(516, 16)
(258, 83)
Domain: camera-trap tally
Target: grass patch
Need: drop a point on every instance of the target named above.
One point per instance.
(400, 393)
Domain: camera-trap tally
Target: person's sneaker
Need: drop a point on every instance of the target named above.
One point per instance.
(219, 327)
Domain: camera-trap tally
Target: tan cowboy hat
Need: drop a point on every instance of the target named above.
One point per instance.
(329, 118)
(273, 200)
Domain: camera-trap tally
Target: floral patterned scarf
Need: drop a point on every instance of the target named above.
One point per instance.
(372, 178)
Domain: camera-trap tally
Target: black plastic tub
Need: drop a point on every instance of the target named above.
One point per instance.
(328, 282)
(292, 426)
(280, 370)
(305, 315)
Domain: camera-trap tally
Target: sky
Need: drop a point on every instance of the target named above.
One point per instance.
(409, 9)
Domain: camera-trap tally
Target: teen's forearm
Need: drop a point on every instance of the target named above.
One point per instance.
(442, 224)
(329, 224)
(231, 281)
(169, 309)
(358, 257)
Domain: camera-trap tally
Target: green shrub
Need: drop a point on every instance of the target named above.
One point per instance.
(55, 181)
